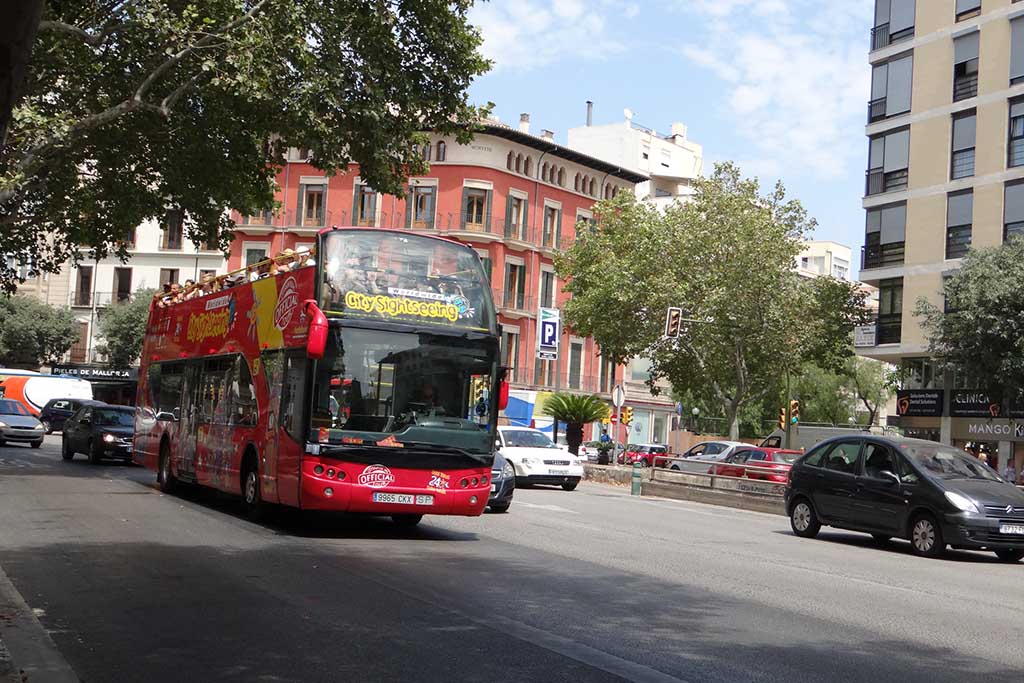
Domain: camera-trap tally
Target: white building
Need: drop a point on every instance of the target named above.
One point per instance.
(672, 161)
(159, 253)
(822, 257)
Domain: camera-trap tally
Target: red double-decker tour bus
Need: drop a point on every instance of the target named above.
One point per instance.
(368, 382)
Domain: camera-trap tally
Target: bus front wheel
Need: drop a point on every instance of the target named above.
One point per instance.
(168, 482)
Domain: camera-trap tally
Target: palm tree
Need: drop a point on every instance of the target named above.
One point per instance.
(575, 410)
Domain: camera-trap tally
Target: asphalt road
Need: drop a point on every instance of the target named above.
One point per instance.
(591, 585)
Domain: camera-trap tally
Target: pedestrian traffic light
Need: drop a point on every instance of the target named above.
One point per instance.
(627, 416)
(673, 322)
(782, 418)
(794, 412)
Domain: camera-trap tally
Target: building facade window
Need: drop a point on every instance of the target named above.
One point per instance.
(888, 162)
(1016, 50)
(122, 290)
(890, 311)
(543, 373)
(1015, 151)
(442, 151)
(168, 276)
(894, 21)
(510, 354)
(527, 166)
(364, 205)
(552, 232)
(606, 374)
(592, 189)
(423, 206)
(311, 205)
(254, 253)
(576, 183)
(561, 177)
(547, 289)
(515, 286)
(519, 163)
(840, 268)
(959, 220)
(965, 66)
(515, 217)
(475, 209)
(967, 9)
(891, 85)
(920, 373)
(1013, 210)
(83, 290)
(575, 365)
(488, 266)
(885, 240)
(173, 230)
(426, 152)
(964, 134)
(510, 161)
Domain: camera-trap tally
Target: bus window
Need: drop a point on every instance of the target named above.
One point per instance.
(171, 376)
(243, 394)
(292, 404)
(213, 394)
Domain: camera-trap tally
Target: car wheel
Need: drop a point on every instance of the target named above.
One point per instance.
(570, 485)
(95, 454)
(65, 449)
(1010, 555)
(500, 509)
(926, 537)
(406, 521)
(881, 538)
(164, 476)
(644, 463)
(47, 427)
(803, 519)
(675, 467)
(37, 444)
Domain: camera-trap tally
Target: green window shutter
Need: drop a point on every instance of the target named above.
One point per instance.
(355, 204)
(523, 230)
(487, 218)
(373, 209)
(462, 211)
(558, 229)
(431, 197)
(410, 199)
(508, 216)
(298, 205)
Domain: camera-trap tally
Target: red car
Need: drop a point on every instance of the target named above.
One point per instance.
(776, 459)
(643, 454)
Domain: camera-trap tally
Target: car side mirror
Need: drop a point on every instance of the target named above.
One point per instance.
(889, 477)
(176, 414)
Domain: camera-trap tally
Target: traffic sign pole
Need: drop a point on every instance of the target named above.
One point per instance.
(618, 399)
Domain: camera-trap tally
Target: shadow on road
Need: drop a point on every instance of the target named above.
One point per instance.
(895, 546)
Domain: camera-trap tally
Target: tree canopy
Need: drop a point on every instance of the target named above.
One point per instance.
(33, 333)
(130, 109)
(979, 333)
(726, 258)
(122, 328)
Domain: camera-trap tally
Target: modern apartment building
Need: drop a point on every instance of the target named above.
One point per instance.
(516, 198)
(672, 161)
(945, 127)
(820, 258)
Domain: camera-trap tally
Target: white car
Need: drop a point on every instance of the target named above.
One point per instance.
(537, 460)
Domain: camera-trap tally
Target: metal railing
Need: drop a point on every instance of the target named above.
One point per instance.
(882, 255)
(965, 87)
(85, 299)
(876, 110)
(890, 328)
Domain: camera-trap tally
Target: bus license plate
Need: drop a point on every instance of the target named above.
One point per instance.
(1016, 529)
(403, 498)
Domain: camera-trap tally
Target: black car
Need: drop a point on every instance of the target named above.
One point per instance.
(503, 484)
(99, 430)
(931, 494)
(58, 410)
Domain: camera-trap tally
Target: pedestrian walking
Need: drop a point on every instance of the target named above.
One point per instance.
(1010, 473)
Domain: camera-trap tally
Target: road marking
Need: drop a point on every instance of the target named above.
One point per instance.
(551, 508)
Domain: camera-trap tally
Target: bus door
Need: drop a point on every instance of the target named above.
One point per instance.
(188, 422)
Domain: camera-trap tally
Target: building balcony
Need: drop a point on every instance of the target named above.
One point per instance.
(85, 299)
(880, 181)
(552, 381)
(876, 110)
(965, 87)
(882, 255)
(882, 36)
(514, 302)
(889, 328)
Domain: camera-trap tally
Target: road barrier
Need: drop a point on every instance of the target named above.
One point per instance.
(707, 473)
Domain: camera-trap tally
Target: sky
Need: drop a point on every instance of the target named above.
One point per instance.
(778, 86)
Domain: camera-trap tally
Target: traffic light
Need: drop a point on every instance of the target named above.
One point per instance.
(782, 418)
(673, 322)
(627, 416)
(794, 412)
(479, 389)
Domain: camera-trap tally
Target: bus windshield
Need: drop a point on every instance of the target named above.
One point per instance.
(405, 390)
(398, 277)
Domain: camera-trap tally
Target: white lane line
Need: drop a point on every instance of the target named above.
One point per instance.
(550, 508)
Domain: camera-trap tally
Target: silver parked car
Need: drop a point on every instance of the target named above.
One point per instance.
(706, 450)
(17, 424)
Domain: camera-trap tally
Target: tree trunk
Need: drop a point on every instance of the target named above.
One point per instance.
(732, 416)
(19, 20)
(574, 437)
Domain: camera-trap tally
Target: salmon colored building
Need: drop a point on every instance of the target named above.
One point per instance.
(515, 197)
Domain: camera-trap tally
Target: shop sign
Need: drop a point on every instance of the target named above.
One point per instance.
(919, 402)
(972, 403)
(988, 430)
(99, 372)
(864, 336)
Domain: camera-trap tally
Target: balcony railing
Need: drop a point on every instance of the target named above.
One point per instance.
(587, 384)
(876, 110)
(965, 87)
(890, 328)
(514, 301)
(878, 181)
(1016, 153)
(882, 255)
(963, 164)
(882, 36)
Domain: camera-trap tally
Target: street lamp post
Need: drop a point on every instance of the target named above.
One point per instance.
(695, 412)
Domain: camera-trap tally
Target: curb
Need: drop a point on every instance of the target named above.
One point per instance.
(27, 653)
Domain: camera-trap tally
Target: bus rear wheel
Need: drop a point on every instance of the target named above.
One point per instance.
(252, 499)
(168, 482)
(406, 521)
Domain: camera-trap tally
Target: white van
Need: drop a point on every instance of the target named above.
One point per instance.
(806, 437)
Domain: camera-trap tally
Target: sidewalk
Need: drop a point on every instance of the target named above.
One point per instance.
(27, 653)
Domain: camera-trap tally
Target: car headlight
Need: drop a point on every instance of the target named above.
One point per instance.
(38, 426)
(961, 502)
(527, 462)
(2, 425)
(508, 471)
(109, 438)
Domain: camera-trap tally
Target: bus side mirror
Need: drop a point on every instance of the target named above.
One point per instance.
(503, 395)
(316, 342)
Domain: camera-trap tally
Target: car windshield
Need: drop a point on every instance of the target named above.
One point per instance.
(782, 456)
(9, 407)
(949, 463)
(114, 418)
(524, 438)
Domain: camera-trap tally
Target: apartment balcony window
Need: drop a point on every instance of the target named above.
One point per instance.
(122, 284)
(965, 66)
(967, 9)
(421, 206)
(1013, 210)
(312, 200)
(964, 134)
(515, 286)
(83, 292)
(575, 365)
(888, 162)
(547, 289)
(1016, 50)
(552, 226)
(891, 84)
(172, 229)
(890, 311)
(364, 205)
(959, 221)
(476, 209)
(544, 374)
(169, 276)
(885, 238)
(1015, 152)
(894, 21)
(515, 218)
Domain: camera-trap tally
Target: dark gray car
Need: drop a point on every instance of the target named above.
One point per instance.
(100, 431)
(930, 494)
(17, 425)
(503, 484)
